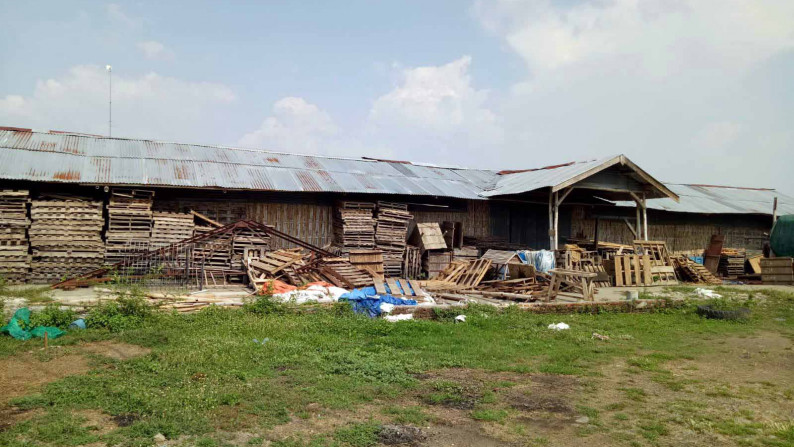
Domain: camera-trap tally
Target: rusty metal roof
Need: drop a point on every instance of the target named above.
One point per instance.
(558, 177)
(73, 158)
(711, 199)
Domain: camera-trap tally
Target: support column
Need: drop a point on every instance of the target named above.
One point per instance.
(644, 217)
(552, 234)
(556, 219)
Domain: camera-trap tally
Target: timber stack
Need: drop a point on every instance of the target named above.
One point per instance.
(732, 262)
(390, 235)
(129, 224)
(14, 223)
(66, 237)
(169, 228)
(354, 225)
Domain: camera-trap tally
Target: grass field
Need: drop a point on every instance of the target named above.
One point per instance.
(327, 377)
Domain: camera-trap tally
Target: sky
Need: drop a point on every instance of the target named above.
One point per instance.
(693, 91)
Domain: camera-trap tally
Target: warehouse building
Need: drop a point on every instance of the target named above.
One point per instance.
(533, 208)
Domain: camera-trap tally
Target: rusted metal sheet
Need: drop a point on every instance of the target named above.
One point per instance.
(77, 158)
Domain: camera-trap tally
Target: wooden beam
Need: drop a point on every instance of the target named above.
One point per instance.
(631, 227)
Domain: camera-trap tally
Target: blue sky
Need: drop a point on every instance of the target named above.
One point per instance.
(695, 91)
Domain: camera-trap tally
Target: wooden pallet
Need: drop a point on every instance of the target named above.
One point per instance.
(399, 287)
(412, 262)
(466, 274)
(657, 250)
(694, 272)
(632, 270)
(345, 274)
(369, 260)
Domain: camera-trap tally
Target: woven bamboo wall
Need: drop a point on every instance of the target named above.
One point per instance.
(476, 220)
(693, 233)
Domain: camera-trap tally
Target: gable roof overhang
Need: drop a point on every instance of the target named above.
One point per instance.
(612, 178)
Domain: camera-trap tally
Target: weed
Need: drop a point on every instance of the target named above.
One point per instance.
(358, 435)
(636, 394)
(489, 415)
(125, 312)
(407, 415)
(652, 430)
(264, 305)
(53, 315)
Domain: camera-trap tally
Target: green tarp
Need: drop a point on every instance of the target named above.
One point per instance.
(19, 327)
(782, 237)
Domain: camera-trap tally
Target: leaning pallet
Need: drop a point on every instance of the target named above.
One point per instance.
(694, 272)
(344, 274)
(14, 223)
(412, 263)
(129, 224)
(65, 237)
(638, 270)
(657, 250)
(369, 260)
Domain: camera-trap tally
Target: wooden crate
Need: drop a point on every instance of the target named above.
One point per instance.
(777, 271)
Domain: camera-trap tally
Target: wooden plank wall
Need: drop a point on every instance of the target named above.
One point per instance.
(680, 236)
(476, 221)
(312, 223)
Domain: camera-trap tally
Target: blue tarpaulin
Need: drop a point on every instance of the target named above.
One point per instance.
(367, 301)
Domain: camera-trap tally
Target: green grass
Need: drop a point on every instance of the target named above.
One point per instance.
(205, 374)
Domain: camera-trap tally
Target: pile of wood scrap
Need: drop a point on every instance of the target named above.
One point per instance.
(354, 225)
(690, 270)
(390, 235)
(270, 265)
(369, 260)
(129, 224)
(465, 274)
(14, 257)
(65, 235)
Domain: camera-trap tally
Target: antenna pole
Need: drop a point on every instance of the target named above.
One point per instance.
(110, 100)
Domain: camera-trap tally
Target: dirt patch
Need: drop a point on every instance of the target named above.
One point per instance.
(116, 350)
(25, 373)
(96, 420)
(460, 436)
(10, 416)
(124, 420)
(320, 421)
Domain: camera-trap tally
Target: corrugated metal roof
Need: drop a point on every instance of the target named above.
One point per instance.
(517, 182)
(709, 199)
(96, 160)
(71, 158)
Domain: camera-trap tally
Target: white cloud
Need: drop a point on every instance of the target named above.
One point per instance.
(435, 107)
(659, 37)
(679, 86)
(146, 106)
(116, 13)
(295, 125)
(154, 50)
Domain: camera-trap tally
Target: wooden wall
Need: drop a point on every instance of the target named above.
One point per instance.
(476, 218)
(681, 231)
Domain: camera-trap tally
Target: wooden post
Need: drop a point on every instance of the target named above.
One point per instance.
(774, 211)
(556, 219)
(644, 217)
(595, 234)
(551, 220)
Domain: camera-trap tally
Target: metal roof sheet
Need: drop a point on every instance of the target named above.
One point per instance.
(61, 157)
(517, 182)
(56, 157)
(710, 199)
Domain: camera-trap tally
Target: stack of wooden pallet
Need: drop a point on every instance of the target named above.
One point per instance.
(14, 257)
(369, 260)
(777, 271)
(732, 262)
(129, 224)
(354, 226)
(169, 228)
(66, 237)
(390, 235)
